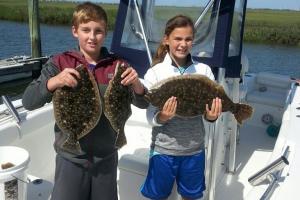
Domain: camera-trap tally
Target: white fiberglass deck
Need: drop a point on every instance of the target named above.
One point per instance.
(253, 153)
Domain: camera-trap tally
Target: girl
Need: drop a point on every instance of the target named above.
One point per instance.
(177, 149)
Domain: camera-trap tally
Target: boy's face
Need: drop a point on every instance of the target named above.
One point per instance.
(180, 43)
(91, 36)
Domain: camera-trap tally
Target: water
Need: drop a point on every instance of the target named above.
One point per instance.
(273, 58)
(14, 41)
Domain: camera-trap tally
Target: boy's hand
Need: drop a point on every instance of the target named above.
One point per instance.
(64, 78)
(215, 111)
(130, 77)
(168, 111)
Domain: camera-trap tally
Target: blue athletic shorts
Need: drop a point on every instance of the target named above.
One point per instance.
(188, 171)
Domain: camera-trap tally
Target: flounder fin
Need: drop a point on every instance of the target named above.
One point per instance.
(117, 67)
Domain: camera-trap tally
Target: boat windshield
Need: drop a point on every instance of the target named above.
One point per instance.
(145, 23)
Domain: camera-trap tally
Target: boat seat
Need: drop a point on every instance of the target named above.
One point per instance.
(270, 89)
(269, 98)
(135, 163)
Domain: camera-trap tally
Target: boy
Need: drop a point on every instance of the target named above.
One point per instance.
(91, 176)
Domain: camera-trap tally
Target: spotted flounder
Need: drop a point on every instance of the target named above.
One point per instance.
(77, 110)
(193, 92)
(117, 104)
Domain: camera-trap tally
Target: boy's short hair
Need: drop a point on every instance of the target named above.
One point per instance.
(87, 12)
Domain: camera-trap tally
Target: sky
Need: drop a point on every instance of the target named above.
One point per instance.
(271, 4)
(274, 4)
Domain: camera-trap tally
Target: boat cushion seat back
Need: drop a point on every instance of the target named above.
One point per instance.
(268, 98)
(270, 89)
(273, 80)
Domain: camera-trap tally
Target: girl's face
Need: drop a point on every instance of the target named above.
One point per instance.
(180, 43)
(90, 36)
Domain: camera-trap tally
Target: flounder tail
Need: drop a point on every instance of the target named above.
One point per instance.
(242, 112)
(71, 145)
(121, 139)
(147, 96)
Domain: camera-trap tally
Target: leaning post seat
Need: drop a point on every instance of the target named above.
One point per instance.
(270, 89)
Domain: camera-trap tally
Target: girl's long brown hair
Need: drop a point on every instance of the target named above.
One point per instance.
(175, 22)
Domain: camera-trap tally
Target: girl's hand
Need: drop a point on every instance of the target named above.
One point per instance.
(215, 111)
(130, 77)
(64, 78)
(168, 111)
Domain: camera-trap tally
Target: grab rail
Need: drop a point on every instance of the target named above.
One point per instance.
(12, 110)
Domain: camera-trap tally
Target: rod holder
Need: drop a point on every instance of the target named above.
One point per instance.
(13, 111)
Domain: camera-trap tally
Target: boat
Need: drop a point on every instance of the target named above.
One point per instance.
(20, 67)
(255, 160)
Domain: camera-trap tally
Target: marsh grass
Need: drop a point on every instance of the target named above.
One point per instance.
(273, 26)
(55, 12)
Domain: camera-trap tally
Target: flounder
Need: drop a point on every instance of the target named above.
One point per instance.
(77, 110)
(193, 92)
(117, 104)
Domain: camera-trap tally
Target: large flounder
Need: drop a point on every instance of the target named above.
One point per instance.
(193, 92)
(77, 110)
(117, 104)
